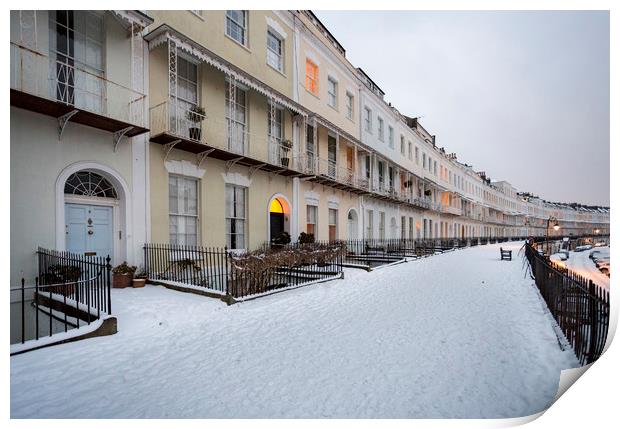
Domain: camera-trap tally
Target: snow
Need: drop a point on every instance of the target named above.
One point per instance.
(60, 336)
(580, 263)
(461, 334)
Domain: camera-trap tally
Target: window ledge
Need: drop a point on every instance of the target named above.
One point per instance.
(236, 42)
(197, 15)
(312, 93)
(275, 69)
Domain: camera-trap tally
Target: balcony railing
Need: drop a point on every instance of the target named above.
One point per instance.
(54, 83)
(179, 121)
(451, 210)
(331, 170)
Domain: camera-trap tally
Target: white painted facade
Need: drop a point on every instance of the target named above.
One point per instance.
(46, 151)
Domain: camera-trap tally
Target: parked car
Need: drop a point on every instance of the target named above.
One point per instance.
(600, 244)
(594, 254)
(602, 264)
(583, 248)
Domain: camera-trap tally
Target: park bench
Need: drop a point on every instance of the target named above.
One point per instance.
(506, 254)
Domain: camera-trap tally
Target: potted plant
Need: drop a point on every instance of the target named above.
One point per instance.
(63, 276)
(305, 238)
(281, 240)
(122, 275)
(196, 115)
(284, 154)
(139, 279)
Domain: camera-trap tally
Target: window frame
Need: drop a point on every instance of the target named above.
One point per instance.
(244, 28)
(182, 215)
(311, 208)
(235, 218)
(332, 96)
(279, 55)
(380, 129)
(331, 225)
(230, 121)
(314, 79)
(368, 120)
(350, 106)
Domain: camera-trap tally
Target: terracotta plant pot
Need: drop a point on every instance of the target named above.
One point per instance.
(139, 283)
(121, 281)
(66, 289)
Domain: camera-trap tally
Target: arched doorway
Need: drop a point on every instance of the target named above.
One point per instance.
(352, 224)
(278, 218)
(91, 203)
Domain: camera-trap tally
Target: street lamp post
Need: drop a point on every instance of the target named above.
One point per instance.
(556, 227)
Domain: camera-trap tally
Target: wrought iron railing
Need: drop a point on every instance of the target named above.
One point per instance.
(580, 307)
(179, 120)
(242, 274)
(60, 79)
(71, 290)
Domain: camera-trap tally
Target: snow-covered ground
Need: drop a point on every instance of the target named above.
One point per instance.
(580, 263)
(461, 334)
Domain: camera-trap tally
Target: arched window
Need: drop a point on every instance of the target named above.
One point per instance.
(89, 184)
(276, 206)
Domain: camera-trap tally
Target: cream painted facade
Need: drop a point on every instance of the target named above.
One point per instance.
(286, 117)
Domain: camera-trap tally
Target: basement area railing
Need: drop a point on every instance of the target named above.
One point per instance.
(71, 290)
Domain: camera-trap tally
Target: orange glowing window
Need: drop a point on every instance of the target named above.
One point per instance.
(276, 206)
(312, 77)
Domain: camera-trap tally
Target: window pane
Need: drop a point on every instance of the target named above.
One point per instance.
(173, 195)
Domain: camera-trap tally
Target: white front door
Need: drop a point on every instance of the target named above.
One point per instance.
(89, 229)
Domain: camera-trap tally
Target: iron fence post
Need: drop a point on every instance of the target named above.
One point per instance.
(23, 316)
(593, 318)
(108, 268)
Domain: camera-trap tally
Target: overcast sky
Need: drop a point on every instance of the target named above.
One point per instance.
(523, 96)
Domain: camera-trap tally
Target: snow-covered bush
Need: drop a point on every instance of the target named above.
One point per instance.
(255, 271)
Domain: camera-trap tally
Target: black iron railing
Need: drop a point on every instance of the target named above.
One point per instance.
(241, 274)
(70, 290)
(206, 267)
(580, 307)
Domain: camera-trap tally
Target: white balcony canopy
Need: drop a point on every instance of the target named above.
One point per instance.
(164, 34)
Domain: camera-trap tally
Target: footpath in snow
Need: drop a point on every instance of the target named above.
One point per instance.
(458, 335)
